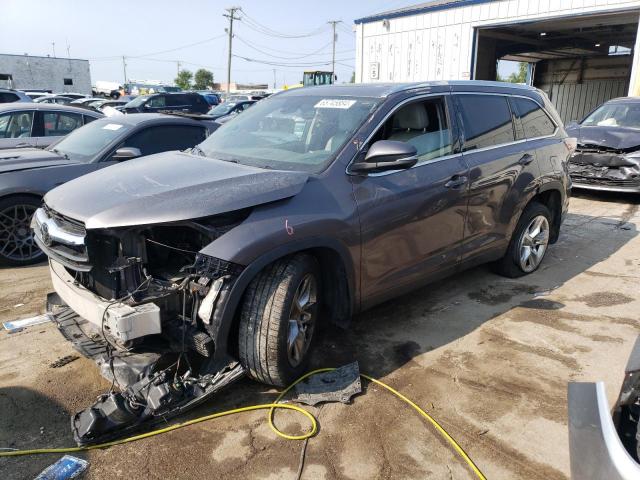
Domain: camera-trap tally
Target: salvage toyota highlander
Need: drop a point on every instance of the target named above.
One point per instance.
(182, 271)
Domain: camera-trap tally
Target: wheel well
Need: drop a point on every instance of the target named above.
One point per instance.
(35, 196)
(337, 301)
(553, 201)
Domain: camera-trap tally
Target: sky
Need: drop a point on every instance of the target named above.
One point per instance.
(145, 31)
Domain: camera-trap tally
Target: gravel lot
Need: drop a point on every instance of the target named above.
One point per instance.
(489, 357)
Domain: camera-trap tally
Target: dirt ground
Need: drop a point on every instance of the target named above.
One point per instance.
(488, 357)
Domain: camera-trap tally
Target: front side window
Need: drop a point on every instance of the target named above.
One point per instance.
(165, 138)
(486, 120)
(158, 101)
(59, 124)
(301, 132)
(423, 124)
(16, 125)
(615, 115)
(535, 122)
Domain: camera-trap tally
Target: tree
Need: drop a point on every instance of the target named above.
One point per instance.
(520, 77)
(203, 79)
(183, 80)
(353, 77)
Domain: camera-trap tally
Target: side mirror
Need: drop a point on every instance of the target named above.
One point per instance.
(387, 155)
(126, 153)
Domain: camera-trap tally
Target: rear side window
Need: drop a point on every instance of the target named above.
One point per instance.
(6, 97)
(486, 120)
(58, 124)
(166, 137)
(535, 122)
(177, 100)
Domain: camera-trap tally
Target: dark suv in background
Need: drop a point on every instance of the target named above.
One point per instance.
(161, 102)
(187, 269)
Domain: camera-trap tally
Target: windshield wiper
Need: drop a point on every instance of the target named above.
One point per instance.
(62, 154)
(196, 149)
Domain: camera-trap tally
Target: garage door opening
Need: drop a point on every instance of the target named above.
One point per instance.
(580, 62)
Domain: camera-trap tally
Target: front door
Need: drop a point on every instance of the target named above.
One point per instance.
(412, 220)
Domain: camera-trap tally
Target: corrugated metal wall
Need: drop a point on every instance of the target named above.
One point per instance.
(577, 86)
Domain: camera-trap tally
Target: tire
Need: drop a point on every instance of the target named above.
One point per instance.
(266, 331)
(17, 247)
(512, 264)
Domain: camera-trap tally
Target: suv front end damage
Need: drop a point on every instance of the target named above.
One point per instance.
(141, 302)
(599, 167)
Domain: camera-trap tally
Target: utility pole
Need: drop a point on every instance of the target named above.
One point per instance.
(178, 63)
(124, 68)
(274, 78)
(333, 54)
(53, 44)
(231, 16)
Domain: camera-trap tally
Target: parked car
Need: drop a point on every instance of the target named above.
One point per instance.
(8, 95)
(608, 152)
(39, 124)
(108, 89)
(86, 100)
(73, 95)
(26, 174)
(229, 109)
(162, 102)
(33, 94)
(57, 99)
(211, 98)
(605, 443)
(312, 205)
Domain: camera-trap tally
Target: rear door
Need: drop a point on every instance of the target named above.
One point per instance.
(412, 220)
(502, 171)
(56, 125)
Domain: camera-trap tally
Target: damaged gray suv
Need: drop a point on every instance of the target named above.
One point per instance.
(180, 272)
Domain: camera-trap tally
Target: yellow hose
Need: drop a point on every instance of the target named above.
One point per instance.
(272, 408)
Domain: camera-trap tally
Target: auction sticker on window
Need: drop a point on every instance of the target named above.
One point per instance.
(334, 103)
(112, 126)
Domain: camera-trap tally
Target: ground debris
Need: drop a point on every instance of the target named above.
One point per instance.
(61, 362)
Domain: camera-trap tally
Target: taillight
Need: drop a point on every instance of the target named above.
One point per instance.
(571, 143)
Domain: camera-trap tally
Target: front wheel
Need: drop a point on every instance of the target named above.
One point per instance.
(278, 319)
(528, 244)
(17, 246)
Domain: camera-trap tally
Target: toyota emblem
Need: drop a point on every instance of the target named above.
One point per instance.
(44, 234)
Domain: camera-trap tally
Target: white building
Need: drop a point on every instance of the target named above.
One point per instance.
(581, 52)
(27, 72)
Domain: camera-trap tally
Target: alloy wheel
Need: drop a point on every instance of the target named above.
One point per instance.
(16, 237)
(533, 243)
(302, 319)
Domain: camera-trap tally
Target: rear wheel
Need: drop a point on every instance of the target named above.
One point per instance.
(528, 244)
(17, 246)
(278, 320)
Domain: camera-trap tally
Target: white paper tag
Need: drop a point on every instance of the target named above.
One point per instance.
(334, 103)
(112, 126)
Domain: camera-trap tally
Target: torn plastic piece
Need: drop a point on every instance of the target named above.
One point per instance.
(338, 385)
(27, 322)
(64, 469)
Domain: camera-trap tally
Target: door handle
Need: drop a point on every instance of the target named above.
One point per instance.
(526, 159)
(456, 181)
(20, 145)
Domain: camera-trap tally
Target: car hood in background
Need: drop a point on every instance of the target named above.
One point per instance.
(169, 187)
(16, 159)
(618, 138)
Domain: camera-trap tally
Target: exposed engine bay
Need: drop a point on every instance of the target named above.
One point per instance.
(141, 302)
(626, 412)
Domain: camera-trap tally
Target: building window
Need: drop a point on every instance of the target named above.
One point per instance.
(68, 81)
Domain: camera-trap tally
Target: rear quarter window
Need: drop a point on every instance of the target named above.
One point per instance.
(486, 120)
(534, 120)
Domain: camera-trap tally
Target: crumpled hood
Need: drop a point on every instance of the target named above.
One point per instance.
(618, 138)
(169, 187)
(16, 159)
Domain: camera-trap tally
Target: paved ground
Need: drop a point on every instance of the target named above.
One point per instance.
(488, 357)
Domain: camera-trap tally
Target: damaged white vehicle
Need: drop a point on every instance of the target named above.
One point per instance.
(608, 152)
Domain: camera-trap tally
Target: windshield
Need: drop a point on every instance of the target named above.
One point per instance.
(84, 143)
(615, 115)
(222, 109)
(301, 133)
(136, 102)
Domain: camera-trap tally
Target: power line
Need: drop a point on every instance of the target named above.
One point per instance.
(280, 57)
(207, 40)
(260, 28)
(281, 64)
